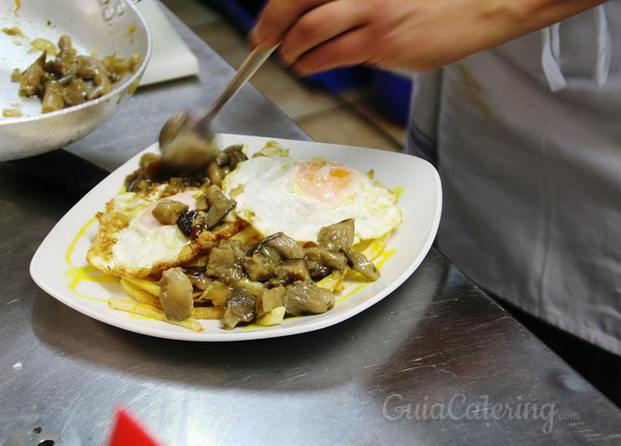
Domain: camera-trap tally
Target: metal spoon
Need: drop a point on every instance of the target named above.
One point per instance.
(186, 139)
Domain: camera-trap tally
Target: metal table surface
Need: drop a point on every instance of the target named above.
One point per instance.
(437, 362)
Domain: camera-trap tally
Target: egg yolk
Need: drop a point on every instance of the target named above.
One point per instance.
(327, 182)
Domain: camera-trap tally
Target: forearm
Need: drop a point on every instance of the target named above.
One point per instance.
(500, 21)
(531, 15)
(413, 34)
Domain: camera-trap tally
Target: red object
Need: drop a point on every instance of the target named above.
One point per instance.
(128, 432)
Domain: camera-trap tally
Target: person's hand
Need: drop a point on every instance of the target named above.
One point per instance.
(318, 35)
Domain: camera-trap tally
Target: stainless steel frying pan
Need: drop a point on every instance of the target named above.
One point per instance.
(101, 26)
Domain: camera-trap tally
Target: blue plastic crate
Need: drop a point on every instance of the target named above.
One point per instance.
(393, 93)
(244, 13)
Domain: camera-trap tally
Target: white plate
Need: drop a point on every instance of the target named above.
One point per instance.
(59, 263)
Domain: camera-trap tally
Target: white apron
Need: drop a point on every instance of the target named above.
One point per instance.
(527, 140)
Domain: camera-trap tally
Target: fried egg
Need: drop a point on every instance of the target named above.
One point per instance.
(277, 194)
(130, 241)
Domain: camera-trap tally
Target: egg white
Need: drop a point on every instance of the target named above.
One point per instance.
(268, 197)
(143, 245)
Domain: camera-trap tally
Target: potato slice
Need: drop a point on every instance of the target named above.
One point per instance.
(217, 293)
(247, 236)
(150, 312)
(139, 295)
(147, 285)
(274, 317)
(334, 281)
(207, 313)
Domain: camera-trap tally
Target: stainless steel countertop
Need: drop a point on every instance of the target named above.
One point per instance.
(437, 362)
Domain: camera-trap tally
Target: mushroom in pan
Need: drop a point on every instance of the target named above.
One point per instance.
(31, 81)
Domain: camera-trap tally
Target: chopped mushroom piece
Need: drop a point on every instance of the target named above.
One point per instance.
(240, 307)
(307, 298)
(317, 270)
(231, 156)
(76, 92)
(358, 262)
(186, 221)
(198, 278)
(31, 81)
(254, 288)
(275, 282)
(199, 223)
(167, 212)
(260, 266)
(337, 236)
(270, 299)
(225, 262)
(285, 245)
(201, 203)
(176, 294)
(270, 254)
(332, 259)
(11, 113)
(257, 267)
(16, 75)
(69, 79)
(66, 47)
(292, 271)
(53, 97)
(215, 174)
(219, 205)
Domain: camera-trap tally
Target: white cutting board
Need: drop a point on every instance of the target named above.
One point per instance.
(171, 58)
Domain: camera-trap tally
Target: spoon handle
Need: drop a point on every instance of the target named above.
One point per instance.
(247, 69)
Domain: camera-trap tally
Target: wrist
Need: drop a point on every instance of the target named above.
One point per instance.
(538, 14)
(508, 19)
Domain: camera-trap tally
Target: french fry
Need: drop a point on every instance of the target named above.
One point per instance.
(150, 312)
(274, 317)
(198, 262)
(139, 295)
(147, 285)
(332, 282)
(207, 313)
(254, 288)
(247, 236)
(354, 276)
(374, 248)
